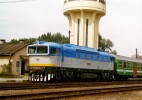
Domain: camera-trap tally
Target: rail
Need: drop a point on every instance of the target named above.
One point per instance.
(69, 92)
(26, 86)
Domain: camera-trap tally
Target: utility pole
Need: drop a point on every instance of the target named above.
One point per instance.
(136, 53)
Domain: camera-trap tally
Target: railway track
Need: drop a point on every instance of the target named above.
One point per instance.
(26, 86)
(67, 92)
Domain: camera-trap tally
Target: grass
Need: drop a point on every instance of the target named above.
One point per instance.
(10, 76)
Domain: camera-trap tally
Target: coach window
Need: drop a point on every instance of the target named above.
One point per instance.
(139, 66)
(120, 64)
(124, 64)
(128, 64)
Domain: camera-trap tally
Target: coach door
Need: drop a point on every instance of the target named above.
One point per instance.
(135, 69)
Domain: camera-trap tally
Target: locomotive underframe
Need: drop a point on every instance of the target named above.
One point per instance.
(47, 74)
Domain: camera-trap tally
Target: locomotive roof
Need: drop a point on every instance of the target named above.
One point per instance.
(46, 44)
(128, 58)
(71, 47)
(85, 49)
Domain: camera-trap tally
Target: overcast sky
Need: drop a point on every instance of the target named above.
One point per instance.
(122, 23)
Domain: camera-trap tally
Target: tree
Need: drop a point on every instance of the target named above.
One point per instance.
(30, 40)
(106, 45)
(114, 52)
(14, 41)
(58, 38)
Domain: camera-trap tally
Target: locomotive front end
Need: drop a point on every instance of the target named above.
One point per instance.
(44, 58)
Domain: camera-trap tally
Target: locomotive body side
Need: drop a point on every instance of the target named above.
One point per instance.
(52, 61)
(86, 58)
(88, 61)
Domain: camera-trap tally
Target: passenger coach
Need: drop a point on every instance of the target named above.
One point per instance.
(126, 67)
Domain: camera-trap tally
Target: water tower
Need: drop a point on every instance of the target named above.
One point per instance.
(84, 17)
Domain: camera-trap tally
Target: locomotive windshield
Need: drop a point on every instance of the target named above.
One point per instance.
(38, 50)
(42, 49)
(32, 50)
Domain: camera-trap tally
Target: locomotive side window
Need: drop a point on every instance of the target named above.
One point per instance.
(78, 56)
(52, 50)
(85, 56)
(32, 50)
(42, 49)
(97, 58)
(91, 57)
(103, 59)
(55, 51)
(58, 51)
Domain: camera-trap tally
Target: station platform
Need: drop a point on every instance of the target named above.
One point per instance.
(6, 80)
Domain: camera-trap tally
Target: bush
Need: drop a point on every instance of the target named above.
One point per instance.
(7, 69)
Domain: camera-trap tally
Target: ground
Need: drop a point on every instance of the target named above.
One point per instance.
(131, 95)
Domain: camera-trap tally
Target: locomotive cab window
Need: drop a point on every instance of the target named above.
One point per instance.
(42, 49)
(32, 50)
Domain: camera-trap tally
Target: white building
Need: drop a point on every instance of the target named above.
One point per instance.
(84, 17)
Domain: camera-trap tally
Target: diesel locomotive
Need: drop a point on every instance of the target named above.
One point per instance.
(50, 61)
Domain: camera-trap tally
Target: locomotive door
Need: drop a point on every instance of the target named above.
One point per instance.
(58, 57)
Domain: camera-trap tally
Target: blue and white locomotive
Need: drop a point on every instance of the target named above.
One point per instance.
(51, 61)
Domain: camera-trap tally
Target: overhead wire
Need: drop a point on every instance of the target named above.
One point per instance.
(15, 1)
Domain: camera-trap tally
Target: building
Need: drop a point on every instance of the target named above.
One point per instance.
(16, 53)
(84, 17)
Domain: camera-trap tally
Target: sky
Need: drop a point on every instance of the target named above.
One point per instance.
(122, 23)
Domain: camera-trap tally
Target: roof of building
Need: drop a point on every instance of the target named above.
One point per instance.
(11, 49)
